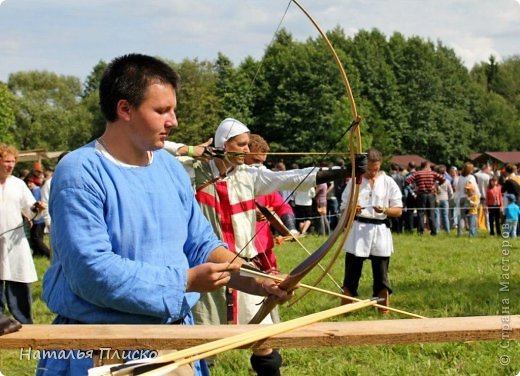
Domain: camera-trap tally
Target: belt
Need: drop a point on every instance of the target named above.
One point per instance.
(374, 221)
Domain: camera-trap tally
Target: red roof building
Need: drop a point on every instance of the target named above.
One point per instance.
(497, 158)
(404, 160)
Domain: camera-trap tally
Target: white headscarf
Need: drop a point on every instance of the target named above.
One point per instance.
(229, 128)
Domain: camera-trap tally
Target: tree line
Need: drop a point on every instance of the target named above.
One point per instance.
(415, 97)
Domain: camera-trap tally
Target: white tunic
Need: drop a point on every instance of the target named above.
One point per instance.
(367, 239)
(229, 204)
(16, 263)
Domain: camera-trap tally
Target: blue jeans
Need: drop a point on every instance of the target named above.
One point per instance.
(472, 225)
(510, 228)
(442, 215)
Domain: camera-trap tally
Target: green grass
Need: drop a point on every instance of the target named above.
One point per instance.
(441, 276)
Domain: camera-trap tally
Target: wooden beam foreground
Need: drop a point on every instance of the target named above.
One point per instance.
(329, 334)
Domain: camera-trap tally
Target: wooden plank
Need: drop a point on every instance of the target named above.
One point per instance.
(354, 333)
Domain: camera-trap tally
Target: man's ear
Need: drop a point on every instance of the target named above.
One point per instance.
(124, 110)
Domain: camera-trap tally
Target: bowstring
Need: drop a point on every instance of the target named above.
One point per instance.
(323, 158)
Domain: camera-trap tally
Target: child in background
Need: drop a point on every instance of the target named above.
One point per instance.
(473, 202)
(511, 213)
(494, 203)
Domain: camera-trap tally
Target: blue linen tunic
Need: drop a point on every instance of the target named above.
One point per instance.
(123, 238)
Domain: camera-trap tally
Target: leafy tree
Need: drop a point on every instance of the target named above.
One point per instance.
(7, 118)
(379, 89)
(235, 88)
(301, 97)
(90, 99)
(47, 112)
(198, 105)
(94, 78)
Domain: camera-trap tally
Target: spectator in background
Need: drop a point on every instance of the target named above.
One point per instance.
(443, 195)
(454, 209)
(495, 204)
(511, 214)
(321, 208)
(461, 197)
(424, 181)
(410, 198)
(36, 241)
(24, 172)
(397, 174)
(472, 204)
(45, 191)
(483, 176)
(286, 195)
(511, 173)
(332, 206)
(17, 270)
(303, 209)
(37, 173)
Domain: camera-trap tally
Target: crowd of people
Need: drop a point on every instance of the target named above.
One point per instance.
(435, 198)
(146, 231)
(465, 200)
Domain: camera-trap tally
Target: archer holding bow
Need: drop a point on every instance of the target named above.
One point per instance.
(226, 189)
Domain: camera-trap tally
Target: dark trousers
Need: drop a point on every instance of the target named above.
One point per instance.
(494, 220)
(354, 267)
(18, 297)
(408, 215)
(36, 242)
(426, 204)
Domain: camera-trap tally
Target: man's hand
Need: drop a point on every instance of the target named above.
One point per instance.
(197, 151)
(209, 276)
(271, 288)
(38, 206)
(259, 216)
(361, 162)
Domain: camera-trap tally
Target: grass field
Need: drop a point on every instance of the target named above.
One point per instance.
(441, 276)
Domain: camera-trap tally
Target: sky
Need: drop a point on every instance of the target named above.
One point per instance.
(69, 37)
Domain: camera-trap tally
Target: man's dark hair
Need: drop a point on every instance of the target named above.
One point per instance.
(374, 155)
(128, 77)
(510, 168)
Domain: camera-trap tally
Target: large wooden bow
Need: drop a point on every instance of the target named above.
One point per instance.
(345, 222)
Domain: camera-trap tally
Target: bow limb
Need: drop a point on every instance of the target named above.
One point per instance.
(345, 223)
(282, 229)
(350, 214)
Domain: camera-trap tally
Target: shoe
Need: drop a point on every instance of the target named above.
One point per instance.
(385, 297)
(8, 325)
(345, 300)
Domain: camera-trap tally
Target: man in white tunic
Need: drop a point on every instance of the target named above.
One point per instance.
(17, 270)
(370, 238)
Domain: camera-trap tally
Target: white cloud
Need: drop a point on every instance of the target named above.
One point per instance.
(71, 36)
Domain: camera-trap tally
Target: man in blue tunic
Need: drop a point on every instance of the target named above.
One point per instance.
(130, 243)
